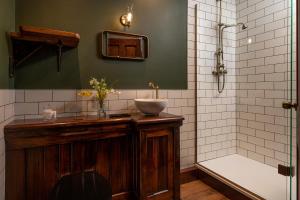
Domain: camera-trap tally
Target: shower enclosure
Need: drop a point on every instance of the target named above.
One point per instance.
(246, 118)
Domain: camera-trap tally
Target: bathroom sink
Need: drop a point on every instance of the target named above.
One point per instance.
(151, 106)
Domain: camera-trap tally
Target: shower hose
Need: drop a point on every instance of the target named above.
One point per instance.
(221, 86)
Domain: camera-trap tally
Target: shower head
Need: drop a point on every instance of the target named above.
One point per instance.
(244, 26)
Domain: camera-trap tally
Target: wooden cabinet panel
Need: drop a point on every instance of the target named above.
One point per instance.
(64, 159)
(157, 164)
(51, 168)
(90, 156)
(15, 186)
(111, 158)
(35, 189)
(104, 167)
(121, 165)
(77, 157)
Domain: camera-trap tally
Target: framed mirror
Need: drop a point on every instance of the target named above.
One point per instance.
(119, 45)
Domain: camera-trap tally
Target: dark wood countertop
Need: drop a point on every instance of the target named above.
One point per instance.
(163, 117)
(135, 118)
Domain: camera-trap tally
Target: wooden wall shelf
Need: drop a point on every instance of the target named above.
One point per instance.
(30, 40)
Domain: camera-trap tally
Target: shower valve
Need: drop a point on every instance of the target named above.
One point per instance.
(224, 71)
(219, 72)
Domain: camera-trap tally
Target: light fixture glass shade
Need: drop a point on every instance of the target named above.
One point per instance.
(129, 17)
(126, 19)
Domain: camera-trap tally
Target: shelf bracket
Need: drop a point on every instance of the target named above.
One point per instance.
(11, 67)
(27, 42)
(59, 55)
(13, 62)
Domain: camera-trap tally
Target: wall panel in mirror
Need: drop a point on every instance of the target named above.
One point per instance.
(119, 45)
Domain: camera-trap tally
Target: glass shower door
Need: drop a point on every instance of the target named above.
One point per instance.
(247, 122)
(292, 98)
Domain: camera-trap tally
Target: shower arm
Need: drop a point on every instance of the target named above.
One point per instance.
(221, 32)
(233, 25)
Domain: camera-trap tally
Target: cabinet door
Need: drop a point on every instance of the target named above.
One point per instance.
(157, 164)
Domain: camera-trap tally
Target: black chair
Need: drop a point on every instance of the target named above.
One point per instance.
(82, 186)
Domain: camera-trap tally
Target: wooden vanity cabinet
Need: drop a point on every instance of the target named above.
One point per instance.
(138, 155)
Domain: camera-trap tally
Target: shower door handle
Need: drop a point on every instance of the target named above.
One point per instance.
(289, 105)
(286, 170)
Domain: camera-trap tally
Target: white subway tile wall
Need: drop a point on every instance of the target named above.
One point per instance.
(262, 72)
(216, 112)
(7, 99)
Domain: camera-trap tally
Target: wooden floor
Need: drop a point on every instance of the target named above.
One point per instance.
(197, 190)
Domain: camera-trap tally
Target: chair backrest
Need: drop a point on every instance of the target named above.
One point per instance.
(82, 186)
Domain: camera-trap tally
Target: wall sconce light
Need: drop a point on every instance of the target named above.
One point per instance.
(127, 18)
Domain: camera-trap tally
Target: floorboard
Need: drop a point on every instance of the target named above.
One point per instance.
(197, 190)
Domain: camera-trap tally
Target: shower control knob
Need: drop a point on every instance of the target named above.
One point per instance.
(219, 72)
(289, 105)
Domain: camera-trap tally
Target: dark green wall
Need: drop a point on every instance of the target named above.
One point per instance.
(163, 21)
(7, 20)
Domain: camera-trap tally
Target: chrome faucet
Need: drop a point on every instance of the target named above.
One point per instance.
(155, 87)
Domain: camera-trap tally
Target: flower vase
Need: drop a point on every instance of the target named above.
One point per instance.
(101, 111)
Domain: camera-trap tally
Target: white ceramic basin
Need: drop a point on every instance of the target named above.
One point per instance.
(151, 106)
